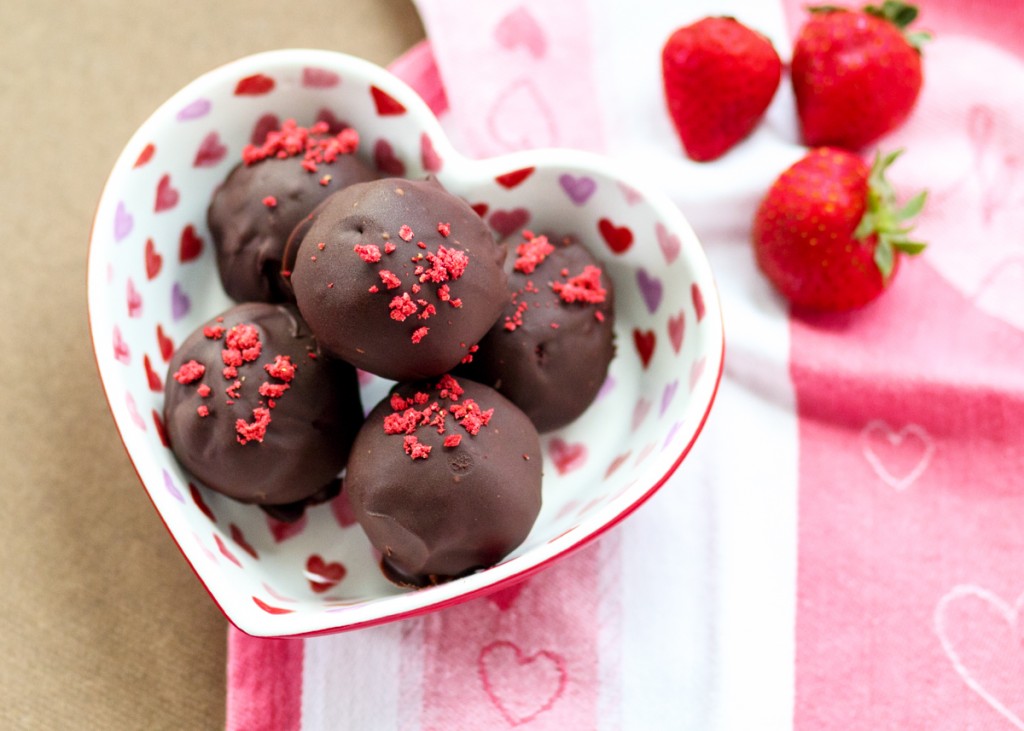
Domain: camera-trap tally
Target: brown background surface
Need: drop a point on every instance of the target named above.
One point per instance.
(102, 623)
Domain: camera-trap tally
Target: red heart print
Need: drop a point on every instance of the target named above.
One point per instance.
(225, 551)
(255, 85)
(197, 498)
(334, 125)
(428, 155)
(341, 508)
(386, 104)
(156, 384)
(506, 597)
(644, 341)
(618, 238)
(166, 195)
(616, 463)
(191, 245)
(698, 301)
(507, 223)
(121, 351)
(238, 537)
(269, 608)
(282, 531)
(211, 151)
(514, 178)
(263, 127)
(386, 161)
(161, 431)
(567, 457)
(676, 329)
(480, 209)
(145, 156)
(313, 78)
(165, 343)
(153, 260)
(321, 575)
(519, 28)
(134, 300)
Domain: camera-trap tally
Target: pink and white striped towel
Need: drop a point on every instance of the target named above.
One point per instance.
(843, 547)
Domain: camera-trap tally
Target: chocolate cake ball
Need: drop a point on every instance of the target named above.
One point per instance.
(549, 351)
(399, 278)
(254, 411)
(267, 194)
(445, 478)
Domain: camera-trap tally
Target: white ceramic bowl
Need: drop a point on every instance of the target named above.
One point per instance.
(152, 280)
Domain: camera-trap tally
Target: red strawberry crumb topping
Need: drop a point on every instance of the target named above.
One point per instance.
(203, 410)
(389, 279)
(389, 247)
(405, 233)
(415, 449)
(190, 372)
(255, 430)
(204, 391)
(530, 253)
(369, 253)
(313, 143)
(232, 390)
(445, 229)
(471, 417)
(325, 180)
(418, 334)
(282, 368)
(213, 332)
(452, 440)
(270, 201)
(584, 287)
(402, 307)
(273, 390)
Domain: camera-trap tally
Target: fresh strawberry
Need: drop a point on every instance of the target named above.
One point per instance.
(829, 234)
(719, 78)
(856, 74)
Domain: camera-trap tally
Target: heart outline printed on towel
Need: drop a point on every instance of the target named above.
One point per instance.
(1011, 615)
(882, 463)
(501, 665)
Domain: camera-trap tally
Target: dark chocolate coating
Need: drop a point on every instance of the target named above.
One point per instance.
(333, 284)
(312, 424)
(552, 374)
(250, 237)
(462, 508)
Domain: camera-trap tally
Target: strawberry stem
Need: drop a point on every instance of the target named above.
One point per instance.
(883, 219)
(901, 15)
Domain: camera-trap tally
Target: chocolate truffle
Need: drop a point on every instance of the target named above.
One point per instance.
(267, 194)
(445, 478)
(549, 351)
(399, 278)
(254, 411)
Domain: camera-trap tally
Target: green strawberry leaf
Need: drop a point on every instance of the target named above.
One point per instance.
(882, 217)
(901, 15)
(910, 247)
(912, 207)
(885, 257)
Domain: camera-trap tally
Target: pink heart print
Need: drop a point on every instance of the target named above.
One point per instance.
(521, 686)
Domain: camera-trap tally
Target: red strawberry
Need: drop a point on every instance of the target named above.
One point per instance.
(829, 235)
(719, 78)
(856, 74)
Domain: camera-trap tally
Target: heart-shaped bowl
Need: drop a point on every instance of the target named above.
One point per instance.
(152, 279)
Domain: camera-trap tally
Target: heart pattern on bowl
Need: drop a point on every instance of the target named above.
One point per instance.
(152, 271)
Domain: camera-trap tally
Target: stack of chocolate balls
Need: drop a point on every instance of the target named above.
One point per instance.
(337, 269)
